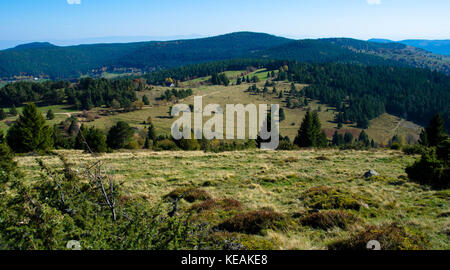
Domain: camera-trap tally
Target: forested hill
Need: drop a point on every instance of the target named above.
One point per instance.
(434, 46)
(345, 50)
(74, 61)
(47, 60)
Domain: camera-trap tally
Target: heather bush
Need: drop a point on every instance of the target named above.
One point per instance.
(390, 236)
(323, 197)
(328, 219)
(254, 222)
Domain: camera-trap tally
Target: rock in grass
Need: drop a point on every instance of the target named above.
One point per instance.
(370, 174)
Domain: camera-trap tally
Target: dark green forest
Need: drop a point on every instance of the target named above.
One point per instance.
(54, 62)
(85, 94)
(359, 92)
(362, 93)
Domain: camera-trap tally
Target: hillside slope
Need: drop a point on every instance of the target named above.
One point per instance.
(434, 46)
(49, 61)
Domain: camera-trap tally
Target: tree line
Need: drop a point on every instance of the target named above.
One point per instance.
(85, 94)
(361, 93)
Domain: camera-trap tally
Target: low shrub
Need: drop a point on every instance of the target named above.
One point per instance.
(322, 158)
(189, 194)
(291, 160)
(254, 222)
(396, 146)
(328, 219)
(391, 237)
(328, 198)
(167, 145)
(416, 149)
(430, 170)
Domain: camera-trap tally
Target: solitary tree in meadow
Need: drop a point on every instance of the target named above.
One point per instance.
(50, 114)
(30, 132)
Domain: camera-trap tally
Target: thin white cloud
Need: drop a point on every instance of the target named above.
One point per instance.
(374, 2)
(74, 2)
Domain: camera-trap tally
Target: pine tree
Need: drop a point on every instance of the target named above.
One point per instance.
(364, 139)
(348, 138)
(435, 132)
(120, 135)
(91, 140)
(424, 138)
(147, 143)
(13, 110)
(30, 132)
(317, 130)
(322, 140)
(338, 139)
(2, 114)
(50, 115)
(151, 132)
(305, 136)
(282, 115)
(145, 100)
(215, 79)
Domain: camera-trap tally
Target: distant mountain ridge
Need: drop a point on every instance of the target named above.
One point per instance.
(57, 62)
(434, 46)
(34, 45)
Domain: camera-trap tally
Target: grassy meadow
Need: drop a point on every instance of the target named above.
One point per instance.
(275, 181)
(382, 129)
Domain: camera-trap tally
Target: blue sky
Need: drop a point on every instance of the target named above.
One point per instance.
(40, 20)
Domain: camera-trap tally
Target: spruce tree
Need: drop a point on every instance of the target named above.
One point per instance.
(364, 139)
(338, 139)
(50, 114)
(317, 130)
(282, 115)
(13, 110)
(305, 136)
(2, 114)
(120, 135)
(435, 132)
(348, 138)
(151, 132)
(145, 100)
(30, 132)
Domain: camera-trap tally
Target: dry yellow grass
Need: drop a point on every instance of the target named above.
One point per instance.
(277, 180)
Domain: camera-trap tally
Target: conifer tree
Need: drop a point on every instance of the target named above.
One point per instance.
(50, 114)
(145, 100)
(435, 133)
(338, 139)
(30, 132)
(364, 139)
(348, 138)
(13, 110)
(305, 136)
(120, 135)
(2, 114)
(151, 135)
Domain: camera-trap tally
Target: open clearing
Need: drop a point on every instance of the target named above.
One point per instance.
(277, 180)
